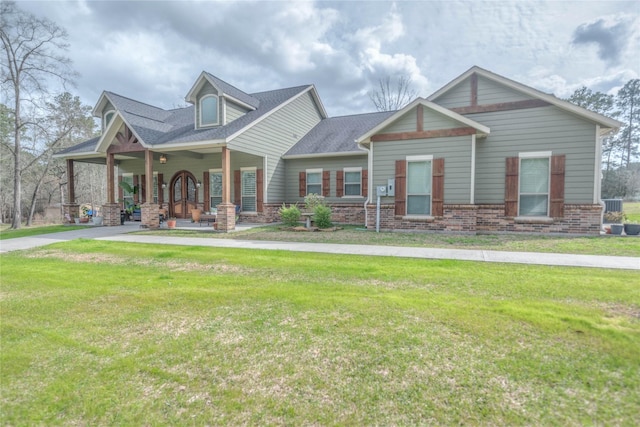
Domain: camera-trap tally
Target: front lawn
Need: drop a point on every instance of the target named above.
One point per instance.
(8, 233)
(598, 245)
(101, 333)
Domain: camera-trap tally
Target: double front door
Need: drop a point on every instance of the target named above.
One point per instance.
(183, 195)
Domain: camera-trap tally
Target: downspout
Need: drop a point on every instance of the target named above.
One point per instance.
(597, 176)
(369, 181)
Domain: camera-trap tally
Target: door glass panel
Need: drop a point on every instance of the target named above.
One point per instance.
(177, 189)
(191, 189)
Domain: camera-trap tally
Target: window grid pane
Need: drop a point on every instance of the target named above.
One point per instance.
(249, 191)
(314, 183)
(352, 184)
(419, 187)
(534, 187)
(209, 110)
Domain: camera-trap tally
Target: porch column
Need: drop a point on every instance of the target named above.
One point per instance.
(111, 210)
(226, 210)
(71, 208)
(149, 210)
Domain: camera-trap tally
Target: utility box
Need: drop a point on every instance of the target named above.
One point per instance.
(381, 190)
(391, 187)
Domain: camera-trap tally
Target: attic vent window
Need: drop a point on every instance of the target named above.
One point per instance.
(108, 117)
(209, 110)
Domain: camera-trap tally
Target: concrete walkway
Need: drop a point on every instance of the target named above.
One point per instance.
(119, 234)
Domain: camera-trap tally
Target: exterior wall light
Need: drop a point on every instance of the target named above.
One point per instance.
(163, 159)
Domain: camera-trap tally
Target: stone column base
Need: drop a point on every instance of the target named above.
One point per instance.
(71, 211)
(111, 214)
(150, 215)
(226, 218)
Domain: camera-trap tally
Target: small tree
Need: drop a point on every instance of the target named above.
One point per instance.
(30, 59)
(390, 97)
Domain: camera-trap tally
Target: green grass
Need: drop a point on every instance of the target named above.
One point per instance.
(100, 333)
(8, 233)
(632, 210)
(597, 245)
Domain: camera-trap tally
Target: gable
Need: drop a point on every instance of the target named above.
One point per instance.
(420, 118)
(481, 91)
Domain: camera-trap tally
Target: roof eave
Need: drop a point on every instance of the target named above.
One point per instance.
(316, 155)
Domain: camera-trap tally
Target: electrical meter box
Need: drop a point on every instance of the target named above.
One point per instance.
(391, 187)
(381, 190)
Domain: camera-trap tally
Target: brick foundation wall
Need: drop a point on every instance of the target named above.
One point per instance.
(578, 219)
(456, 218)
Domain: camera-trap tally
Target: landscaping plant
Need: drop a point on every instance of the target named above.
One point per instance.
(289, 215)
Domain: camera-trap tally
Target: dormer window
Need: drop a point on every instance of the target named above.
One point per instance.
(209, 110)
(108, 116)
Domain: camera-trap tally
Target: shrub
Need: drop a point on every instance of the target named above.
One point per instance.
(289, 215)
(322, 216)
(312, 200)
(615, 217)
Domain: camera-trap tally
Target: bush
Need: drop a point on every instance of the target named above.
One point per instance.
(312, 200)
(615, 217)
(289, 215)
(322, 216)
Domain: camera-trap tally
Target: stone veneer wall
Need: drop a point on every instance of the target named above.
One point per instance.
(578, 219)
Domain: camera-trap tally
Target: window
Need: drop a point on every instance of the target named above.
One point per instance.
(155, 187)
(419, 185)
(209, 110)
(314, 181)
(534, 184)
(108, 116)
(352, 181)
(249, 203)
(215, 187)
(126, 195)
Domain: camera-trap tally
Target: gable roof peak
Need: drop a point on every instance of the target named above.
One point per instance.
(224, 89)
(605, 122)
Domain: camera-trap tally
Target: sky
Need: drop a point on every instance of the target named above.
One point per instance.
(153, 51)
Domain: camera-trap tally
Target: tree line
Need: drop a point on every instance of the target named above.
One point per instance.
(38, 117)
(620, 166)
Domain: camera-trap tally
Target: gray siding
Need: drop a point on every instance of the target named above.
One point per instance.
(457, 164)
(431, 120)
(490, 92)
(457, 96)
(233, 111)
(273, 136)
(538, 129)
(332, 164)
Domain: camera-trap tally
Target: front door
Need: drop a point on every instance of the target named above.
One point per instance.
(183, 194)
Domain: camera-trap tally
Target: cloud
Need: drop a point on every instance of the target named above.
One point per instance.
(610, 34)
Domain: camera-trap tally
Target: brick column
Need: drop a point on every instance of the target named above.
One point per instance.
(150, 215)
(71, 209)
(111, 214)
(226, 218)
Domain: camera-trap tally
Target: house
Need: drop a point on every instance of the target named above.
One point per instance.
(482, 154)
